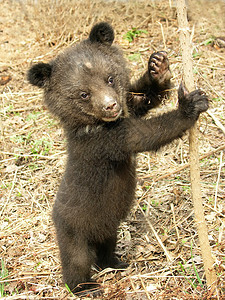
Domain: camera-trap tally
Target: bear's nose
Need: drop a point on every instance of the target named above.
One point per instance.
(109, 104)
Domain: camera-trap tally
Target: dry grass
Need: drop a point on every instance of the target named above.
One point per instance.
(33, 154)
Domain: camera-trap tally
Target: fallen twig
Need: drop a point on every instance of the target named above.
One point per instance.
(218, 179)
(185, 165)
(216, 120)
(168, 255)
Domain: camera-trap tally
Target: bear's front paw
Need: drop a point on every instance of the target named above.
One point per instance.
(158, 67)
(192, 104)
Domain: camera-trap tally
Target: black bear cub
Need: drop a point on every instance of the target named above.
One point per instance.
(88, 88)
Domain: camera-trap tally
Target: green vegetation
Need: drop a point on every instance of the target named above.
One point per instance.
(41, 146)
(155, 203)
(3, 275)
(133, 33)
(69, 290)
(208, 41)
(194, 281)
(144, 207)
(134, 57)
(33, 116)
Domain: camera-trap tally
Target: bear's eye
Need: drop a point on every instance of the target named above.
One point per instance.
(84, 95)
(110, 80)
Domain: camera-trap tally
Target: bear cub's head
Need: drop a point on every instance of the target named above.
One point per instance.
(87, 83)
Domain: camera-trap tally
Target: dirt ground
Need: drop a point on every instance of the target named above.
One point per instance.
(32, 152)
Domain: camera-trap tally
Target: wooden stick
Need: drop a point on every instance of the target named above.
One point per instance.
(193, 145)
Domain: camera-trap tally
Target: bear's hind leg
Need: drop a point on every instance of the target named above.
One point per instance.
(77, 258)
(106, 256)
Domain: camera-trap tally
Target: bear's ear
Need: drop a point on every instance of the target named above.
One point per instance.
(102, 33)
(39, 74)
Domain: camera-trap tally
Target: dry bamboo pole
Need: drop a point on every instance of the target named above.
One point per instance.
(193, 149)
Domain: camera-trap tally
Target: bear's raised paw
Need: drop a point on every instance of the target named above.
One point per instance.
(158, 66)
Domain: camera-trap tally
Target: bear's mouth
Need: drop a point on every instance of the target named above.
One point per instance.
(112, 117)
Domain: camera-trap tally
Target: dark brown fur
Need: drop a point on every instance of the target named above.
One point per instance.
(88, 88)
